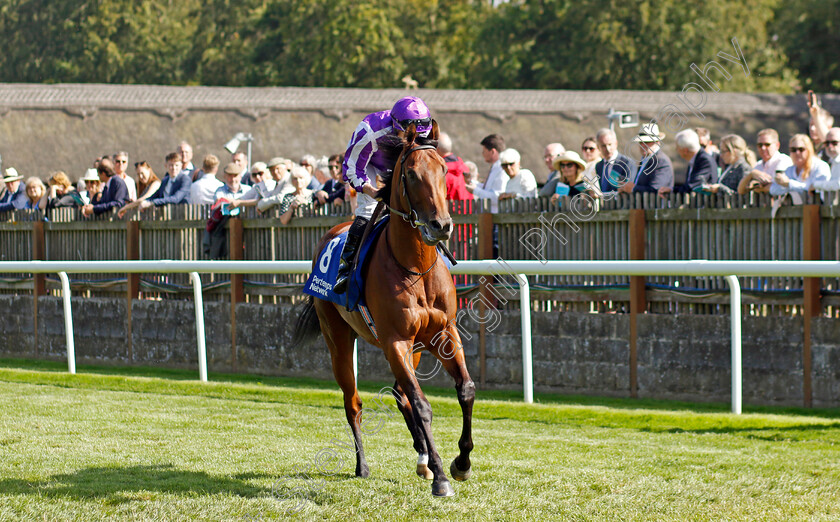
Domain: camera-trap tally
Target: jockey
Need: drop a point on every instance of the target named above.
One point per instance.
(363, 162)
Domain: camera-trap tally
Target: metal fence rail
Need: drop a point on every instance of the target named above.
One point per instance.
(680, 227)
(694, 268)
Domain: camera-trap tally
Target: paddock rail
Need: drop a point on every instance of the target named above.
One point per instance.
(728, 269)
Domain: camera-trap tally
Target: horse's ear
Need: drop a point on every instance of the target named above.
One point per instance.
(435, 133)
(410, 133)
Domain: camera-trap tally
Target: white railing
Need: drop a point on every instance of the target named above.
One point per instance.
(728, 269)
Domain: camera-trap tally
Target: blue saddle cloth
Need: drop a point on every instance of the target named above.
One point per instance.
(321, 280)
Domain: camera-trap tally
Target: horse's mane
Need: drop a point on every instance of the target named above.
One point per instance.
(391, 147)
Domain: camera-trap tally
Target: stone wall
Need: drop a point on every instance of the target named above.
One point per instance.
(679, 357)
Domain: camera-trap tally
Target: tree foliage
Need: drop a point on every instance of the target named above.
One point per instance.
(809, 32)
(538, 44)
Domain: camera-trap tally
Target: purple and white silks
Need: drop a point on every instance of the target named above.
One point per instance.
(363, 160)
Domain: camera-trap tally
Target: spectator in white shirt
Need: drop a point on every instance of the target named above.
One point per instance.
(203, 191)
(772, 161)
(264, 185)
(521, 182)
(492, 146)
(807, 172)
(121, 167)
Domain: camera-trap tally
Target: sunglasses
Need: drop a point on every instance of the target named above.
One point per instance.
(420, 122)
(833, 143)
(762, 145)
(505, 165)
(335, 166)
(258, 173)
(798, 149)
(588, 149)
(123, 161)
(567, 165)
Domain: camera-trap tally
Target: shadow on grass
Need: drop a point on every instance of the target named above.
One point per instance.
(513, 396)
(118, 485)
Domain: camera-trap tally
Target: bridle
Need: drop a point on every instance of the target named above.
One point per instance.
(411, 216)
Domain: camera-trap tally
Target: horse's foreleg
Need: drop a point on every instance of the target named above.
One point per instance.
(419, 442)
(450, 352)
(404, 372)
(339, 337)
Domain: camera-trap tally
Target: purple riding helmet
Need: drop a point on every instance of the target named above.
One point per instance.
(412, 109)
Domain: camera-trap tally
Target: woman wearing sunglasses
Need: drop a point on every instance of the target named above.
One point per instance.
(806, 171)
(591, 155)
(571, 168)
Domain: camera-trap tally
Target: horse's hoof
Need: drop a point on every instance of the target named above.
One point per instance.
(457, 474)
(363, 472)
(442, 489)
(423, 471)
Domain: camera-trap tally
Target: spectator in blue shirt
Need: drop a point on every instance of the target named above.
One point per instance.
(233, 188)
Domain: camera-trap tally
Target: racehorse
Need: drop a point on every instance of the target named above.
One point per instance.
(411, 298)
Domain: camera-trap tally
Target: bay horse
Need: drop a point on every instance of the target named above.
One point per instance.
(411, 298)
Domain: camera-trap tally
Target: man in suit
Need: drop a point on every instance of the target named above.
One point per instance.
(613, 169)
(655, 170)
(701, 167)
(175, 187)
(114, 190)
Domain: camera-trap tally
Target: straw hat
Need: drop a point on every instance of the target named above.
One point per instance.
(569, 156)
(11, 175)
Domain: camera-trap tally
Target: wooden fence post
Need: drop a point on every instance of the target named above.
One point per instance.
(485, 251)
(811, 291)
(638, 302)
(237, 287)
(132, 253)
(39, 286)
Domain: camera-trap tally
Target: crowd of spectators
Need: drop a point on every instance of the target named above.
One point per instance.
(108, 187)
(600, 170)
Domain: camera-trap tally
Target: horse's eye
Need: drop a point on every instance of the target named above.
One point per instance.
(412, 174)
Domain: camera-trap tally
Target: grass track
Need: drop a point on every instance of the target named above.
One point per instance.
(150, 444)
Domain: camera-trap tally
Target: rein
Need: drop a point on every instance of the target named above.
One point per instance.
(397, 261)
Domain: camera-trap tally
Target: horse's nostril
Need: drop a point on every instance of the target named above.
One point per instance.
(436, 225)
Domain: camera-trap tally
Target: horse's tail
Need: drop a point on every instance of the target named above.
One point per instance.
(307, 326)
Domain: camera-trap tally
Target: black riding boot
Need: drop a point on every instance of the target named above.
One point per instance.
(354, 237)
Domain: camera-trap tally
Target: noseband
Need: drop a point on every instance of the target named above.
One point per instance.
(409, 217)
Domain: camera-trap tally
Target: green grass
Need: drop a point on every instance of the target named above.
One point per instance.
(151, 444)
